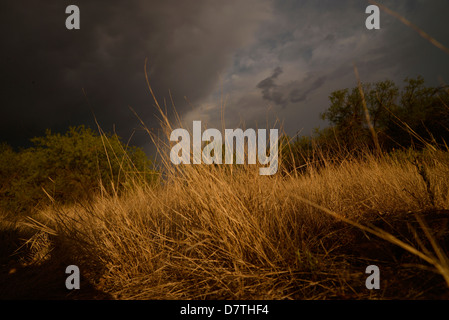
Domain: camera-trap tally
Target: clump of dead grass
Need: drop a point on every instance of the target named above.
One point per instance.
(206, 233)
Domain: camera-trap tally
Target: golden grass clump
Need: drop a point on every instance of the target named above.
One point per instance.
(207, 233)
(225, 232)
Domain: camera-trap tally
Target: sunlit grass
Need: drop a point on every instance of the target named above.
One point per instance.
(207, 233)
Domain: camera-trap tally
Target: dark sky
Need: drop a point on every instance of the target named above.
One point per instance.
(263, 60)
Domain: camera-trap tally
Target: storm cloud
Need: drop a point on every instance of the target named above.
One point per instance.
(46, 67)
(258, 61)
(298, 95)
(282, 95)
(270, 90)
(316, 45)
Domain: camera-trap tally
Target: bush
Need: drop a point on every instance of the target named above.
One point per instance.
(67, 167)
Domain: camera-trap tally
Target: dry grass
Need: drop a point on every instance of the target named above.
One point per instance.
(221, 232)
(225, 232)
(208, 234)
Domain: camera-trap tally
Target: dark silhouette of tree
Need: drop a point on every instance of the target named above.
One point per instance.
(413, 116)
(398, 117)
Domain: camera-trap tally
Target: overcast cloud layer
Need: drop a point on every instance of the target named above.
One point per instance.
(261, 60)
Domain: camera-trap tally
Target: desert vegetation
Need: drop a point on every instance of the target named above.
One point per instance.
(343, 199)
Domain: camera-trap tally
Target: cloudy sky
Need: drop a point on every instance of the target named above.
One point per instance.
(253, 61)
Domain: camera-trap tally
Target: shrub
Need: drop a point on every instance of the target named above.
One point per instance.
(67, 167)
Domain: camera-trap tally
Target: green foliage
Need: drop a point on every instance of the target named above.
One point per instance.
(68, 167)
(397, 117)
(415, 117)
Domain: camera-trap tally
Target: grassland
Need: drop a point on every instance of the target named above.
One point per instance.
(225, 232)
